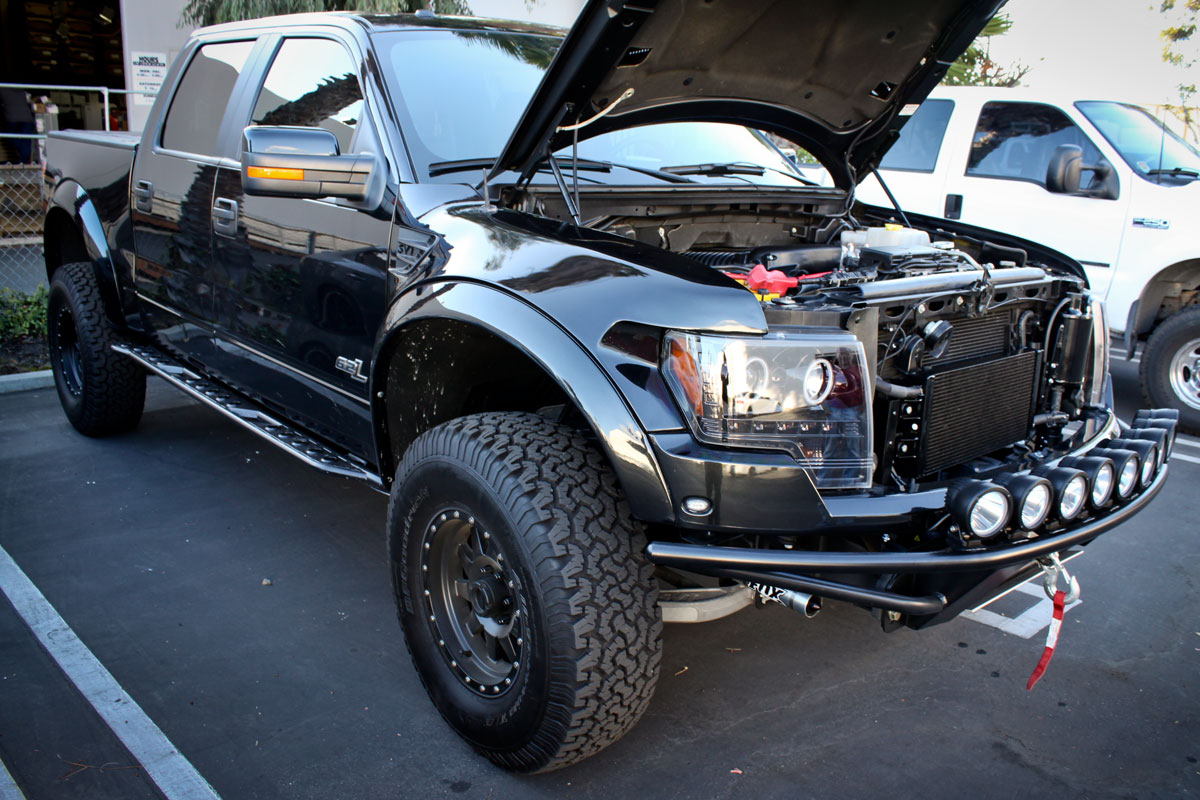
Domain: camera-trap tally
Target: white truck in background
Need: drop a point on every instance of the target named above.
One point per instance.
(1103, 182)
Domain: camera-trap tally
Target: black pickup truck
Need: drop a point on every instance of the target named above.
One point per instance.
(612, 356)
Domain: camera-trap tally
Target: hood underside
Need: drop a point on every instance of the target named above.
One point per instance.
(834, 76)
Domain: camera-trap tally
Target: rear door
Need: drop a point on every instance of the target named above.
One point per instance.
(174, 175)
(301, 283)
(1003, 185)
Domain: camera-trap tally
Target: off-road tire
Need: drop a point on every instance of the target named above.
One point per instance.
(574, 556)
(1179, 333)
(102, 392)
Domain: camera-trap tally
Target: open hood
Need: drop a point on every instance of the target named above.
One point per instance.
(838, 77)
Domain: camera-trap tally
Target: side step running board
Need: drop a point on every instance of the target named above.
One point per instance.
(243, 412)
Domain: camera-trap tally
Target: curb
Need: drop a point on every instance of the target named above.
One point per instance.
(24, 381)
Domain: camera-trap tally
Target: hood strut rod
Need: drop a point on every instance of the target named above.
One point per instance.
(572, 209)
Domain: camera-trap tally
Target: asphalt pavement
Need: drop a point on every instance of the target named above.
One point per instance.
(241, 600)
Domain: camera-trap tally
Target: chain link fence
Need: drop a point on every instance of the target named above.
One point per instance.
(22, 209)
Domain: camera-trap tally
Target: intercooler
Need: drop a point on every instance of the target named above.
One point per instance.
(972, 410)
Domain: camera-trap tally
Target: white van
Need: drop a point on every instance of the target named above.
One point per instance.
(1104, 182)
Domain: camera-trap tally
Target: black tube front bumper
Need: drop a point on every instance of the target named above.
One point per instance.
(795, 568)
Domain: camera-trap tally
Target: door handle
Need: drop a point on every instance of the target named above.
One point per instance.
(143, 196)
(225, 216)
(953, 209)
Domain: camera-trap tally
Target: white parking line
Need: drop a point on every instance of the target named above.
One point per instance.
(1185, 457)
(171, 772)
(8, 787)
(1188, 441)
(1027, 624)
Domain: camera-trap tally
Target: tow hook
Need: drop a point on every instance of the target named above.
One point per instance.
(1052, 570)
(803, 603)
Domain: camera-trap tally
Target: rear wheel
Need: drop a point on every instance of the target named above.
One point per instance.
(1170, 369)
(526, 600)
(101, 391)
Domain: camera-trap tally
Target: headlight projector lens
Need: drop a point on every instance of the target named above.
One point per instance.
(818, 381)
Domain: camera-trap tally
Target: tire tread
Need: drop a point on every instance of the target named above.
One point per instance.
(588, 555)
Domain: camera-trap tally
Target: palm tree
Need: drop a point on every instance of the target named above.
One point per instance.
(976, 68)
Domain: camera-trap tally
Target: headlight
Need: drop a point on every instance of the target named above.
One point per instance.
(796, 392)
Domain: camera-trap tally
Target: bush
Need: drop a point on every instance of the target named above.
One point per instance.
(22, 314)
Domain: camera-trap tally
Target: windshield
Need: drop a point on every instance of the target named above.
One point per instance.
(463, 91)
(680, 144)
(1154, 152)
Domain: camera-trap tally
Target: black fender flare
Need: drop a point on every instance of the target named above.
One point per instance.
(561, 356)
(72, 209)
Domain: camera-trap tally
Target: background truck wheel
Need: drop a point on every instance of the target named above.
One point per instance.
(101, 392)
(526, 600)
(1170, 368)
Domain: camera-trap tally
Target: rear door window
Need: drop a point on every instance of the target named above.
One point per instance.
(194, 118)
(1017, 140)
(921, 138)
(312, 84)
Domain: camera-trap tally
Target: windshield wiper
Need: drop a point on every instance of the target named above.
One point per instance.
(469, 164)
(732, 168)
(1180, 171)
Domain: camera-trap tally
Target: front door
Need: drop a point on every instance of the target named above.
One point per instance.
(1004, 187)
(301, 284)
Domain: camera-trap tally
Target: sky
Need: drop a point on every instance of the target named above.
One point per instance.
(1103, 48)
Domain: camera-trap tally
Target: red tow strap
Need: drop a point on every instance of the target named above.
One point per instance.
(1060, 602)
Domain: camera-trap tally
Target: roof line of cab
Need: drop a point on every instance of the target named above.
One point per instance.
(380, 22)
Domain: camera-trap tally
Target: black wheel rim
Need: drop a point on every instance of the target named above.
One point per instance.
(472, 602)
(64, 346)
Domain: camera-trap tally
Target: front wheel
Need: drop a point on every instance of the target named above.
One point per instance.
(1170, 369)
(527, 602)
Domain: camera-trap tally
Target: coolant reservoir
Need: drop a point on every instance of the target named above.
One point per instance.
(888, 236)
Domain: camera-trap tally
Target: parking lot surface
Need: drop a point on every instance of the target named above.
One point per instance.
(242, 601)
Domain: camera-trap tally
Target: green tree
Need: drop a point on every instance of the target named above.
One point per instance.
(211, 12)
(975, 67)
(1178, 48)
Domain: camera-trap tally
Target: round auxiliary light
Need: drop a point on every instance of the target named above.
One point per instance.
(1167, 425)
(1102, 486)
(1147, 452)
(979, 507)
(1073, 497)
(1159, 436)
(1126, 467)
(1149, 466)
(1128, 478)
(818, 382)
(1070, 487)
(1101, 473)
(1032, 496)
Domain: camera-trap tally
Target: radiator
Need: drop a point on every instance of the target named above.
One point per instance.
(971, 411)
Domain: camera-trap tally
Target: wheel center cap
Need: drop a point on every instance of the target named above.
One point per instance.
(487, 596)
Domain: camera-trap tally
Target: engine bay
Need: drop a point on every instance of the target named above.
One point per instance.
(980, 359)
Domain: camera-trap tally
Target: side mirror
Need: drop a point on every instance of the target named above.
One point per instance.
(1066, 164)
(1063, 174)
(280, 161)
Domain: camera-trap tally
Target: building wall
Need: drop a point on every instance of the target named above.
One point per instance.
(149, 26)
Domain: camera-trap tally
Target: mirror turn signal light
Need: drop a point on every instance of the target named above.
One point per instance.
(275, 173)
